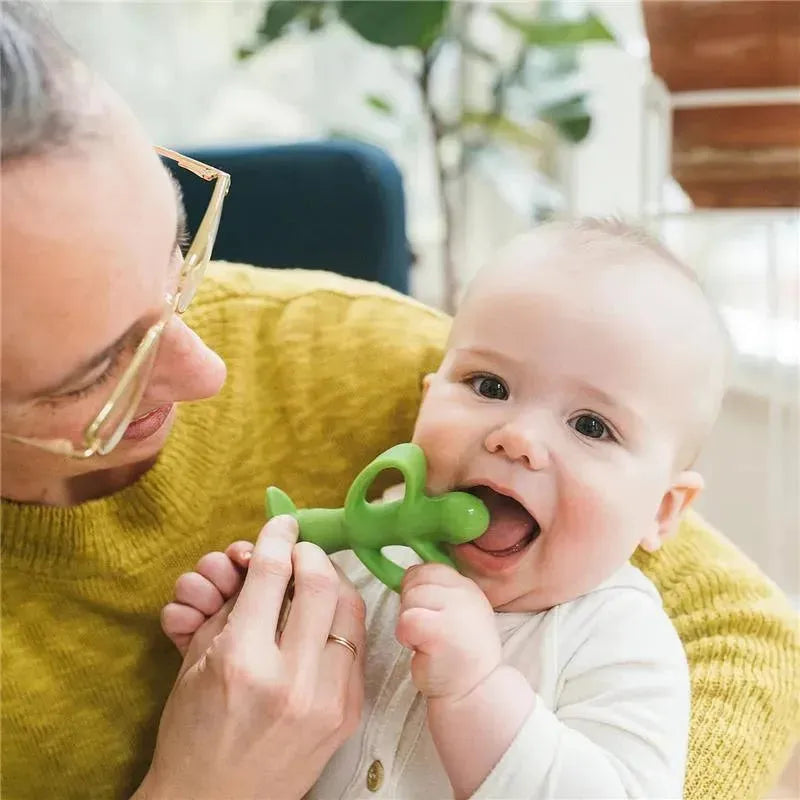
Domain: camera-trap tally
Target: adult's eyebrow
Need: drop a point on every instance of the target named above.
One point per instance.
(90, 364)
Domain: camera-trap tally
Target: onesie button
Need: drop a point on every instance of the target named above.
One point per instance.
(375, 776)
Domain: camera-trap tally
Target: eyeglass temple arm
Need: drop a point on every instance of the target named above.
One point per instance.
(204, 171)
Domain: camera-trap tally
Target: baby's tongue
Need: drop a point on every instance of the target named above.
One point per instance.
(509, 522)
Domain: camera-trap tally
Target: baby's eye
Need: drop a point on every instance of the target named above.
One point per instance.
(591, 427)
(489, 386)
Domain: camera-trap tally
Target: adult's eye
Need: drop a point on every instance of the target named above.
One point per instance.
(490, 387)
(591, 427)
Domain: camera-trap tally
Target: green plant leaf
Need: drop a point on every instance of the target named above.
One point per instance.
(555, 33)
(315, 15)
(379, 103)
(568, 108)
(571, 117)
(471, 49)
(506, 129)
(575, 130)
(277, 18)
(396, 23)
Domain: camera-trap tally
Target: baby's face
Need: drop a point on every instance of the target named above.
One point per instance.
(562, 398)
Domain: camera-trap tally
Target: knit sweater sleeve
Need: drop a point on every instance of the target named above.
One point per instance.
(742, 640)
(619, 726)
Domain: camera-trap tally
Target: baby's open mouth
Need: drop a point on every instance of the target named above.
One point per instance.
(511, 528)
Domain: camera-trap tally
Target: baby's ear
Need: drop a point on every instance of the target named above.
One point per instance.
(685, 488)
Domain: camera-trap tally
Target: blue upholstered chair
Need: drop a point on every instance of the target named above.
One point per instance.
(335, 205)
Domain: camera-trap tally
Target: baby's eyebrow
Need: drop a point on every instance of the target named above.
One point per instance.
(609, 400)
(599, 394)
(487, 353)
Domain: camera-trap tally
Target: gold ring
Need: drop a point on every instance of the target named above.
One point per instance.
(332, 637)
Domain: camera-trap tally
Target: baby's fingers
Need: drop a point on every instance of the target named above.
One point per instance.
(240, 552)
(179, 623)
(195, 590)
(419, 629)
(221, 570)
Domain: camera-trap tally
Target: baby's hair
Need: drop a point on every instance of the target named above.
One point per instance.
(637, 236)
(623, 238)
(633, 240)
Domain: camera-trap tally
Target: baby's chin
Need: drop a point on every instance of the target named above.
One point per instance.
(505, 602)
(508, 595)
(517, 591)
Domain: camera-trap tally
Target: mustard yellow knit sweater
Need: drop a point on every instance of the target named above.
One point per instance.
(324, 374)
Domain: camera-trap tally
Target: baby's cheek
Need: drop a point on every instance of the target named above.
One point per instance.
(441, 436)
(598, 522)
(442, 462)
(431, 434)
(584, 505)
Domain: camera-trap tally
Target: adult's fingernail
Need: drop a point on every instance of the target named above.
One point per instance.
(287, 519)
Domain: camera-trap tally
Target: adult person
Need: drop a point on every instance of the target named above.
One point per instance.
(113, 480)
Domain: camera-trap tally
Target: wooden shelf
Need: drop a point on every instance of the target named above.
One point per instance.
(724, 44)
(746, 155)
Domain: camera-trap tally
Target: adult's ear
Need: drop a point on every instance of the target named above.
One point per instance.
(681, 494)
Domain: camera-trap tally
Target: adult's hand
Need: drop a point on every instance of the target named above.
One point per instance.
(251, 718)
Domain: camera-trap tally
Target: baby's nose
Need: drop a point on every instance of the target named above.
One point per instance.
(519, 443)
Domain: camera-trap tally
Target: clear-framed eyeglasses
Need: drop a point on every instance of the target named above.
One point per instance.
(105, 431)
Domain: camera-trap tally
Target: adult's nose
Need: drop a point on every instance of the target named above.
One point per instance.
(186, 368)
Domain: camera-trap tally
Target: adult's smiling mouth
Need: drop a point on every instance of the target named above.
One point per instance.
(512, 528)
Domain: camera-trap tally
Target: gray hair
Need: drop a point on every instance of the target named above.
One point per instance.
(36, 69)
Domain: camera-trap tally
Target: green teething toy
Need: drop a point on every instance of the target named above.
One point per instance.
(417, 521)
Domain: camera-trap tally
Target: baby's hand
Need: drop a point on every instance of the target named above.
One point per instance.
(200, 594)
(447, 620)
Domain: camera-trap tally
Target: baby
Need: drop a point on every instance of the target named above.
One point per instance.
(584, 370)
